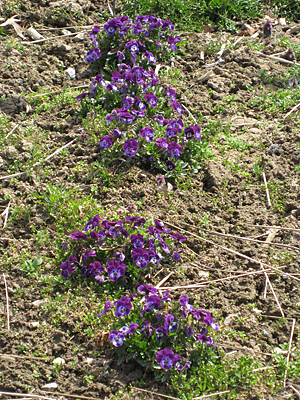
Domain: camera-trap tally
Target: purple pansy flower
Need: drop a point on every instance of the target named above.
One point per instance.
(170, 324)
(107, 307)
(171, 94)
(179, 237)
(98, 236)
(150, 57)
(92, 223)
(126, 117)
(78, 236)
(116, 338)
(154, 257)
(105, 142)
(112, 25)
(190, 331)
(152, 302)
(161, 332)
(146, 289)
(174, 149)
(127, 102)
(147, 133)
(147, 328)
(123, 307)
(140, 257)
(177, 107)
(160, 227)
(89, 253)
(115, 269)
(132, 46)
(162, 143)
(93, 55)
(137, 240)
(151, 99)
(189, 132)
(170, 165)
(68, 267)
(165, 358)
(176, 255)
(173, 42)
(130, 147)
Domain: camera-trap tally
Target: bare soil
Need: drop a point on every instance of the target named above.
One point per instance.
(222, 197)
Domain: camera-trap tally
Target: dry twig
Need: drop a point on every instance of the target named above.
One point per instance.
(272, 289)
(54, 37)
(206, 396)
(24, 357)
(267, 190)
(282, 60)
(295, 390)
(59, 91)
(8, 135)
(231, 251)
(292, 110)
(39, 162)
(289, 352)
(154, 393)
(267, 242)
(275, 227)
(5, 212)
(36, 396)
(7, 302)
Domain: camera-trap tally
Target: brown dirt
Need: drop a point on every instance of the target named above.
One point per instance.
(221, 197)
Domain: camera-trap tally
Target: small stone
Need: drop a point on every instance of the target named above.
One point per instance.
(59, 361)
(266, 334)
(71, 72)
(50, 386)
(229, 319)
(39, 303)
(34, 324)
(285, 277)
(89, 360)
(66, 32)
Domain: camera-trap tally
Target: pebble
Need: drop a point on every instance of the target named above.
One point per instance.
(285, 277)
(229, 319)
(266, 334)
(38, 303)
(59, 361)
(50, 386)
(71, 72)
(34, 324)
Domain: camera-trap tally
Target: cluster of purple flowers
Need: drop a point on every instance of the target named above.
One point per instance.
(135, 85)
(157, 319)
(142, 245)
(133, 37)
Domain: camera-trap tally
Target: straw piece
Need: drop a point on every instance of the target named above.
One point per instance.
(289, 353)
(154, 393)
(275, 227)
(59, 91)
(194, 119)
(267, 190)
(282, 60)
(7, 302)
(164, 280)
(292, 110)
(39, 162)
(295, 390)
(230, 250)
(54, 37)
(272, 289)
(25, 357)
(266, 242)
(37, 396)
(72, 396)
(206, 396)
(16, 126)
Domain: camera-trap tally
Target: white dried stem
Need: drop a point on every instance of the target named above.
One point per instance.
(194, 119)
(206, 396)
(231, 251)
(8, 135)
(289, 352)
(267, 190)
(272, 289)
(54, 37)
(5, 212)
(292, 110)
(275, 227)
(58, 91)
(154, 393)
(281, 60)
(36, 396)
(7, 303)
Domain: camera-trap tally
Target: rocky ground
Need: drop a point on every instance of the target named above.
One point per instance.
(246, 136)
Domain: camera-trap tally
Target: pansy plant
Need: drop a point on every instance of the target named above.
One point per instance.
(113, 251)
(159, 333)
